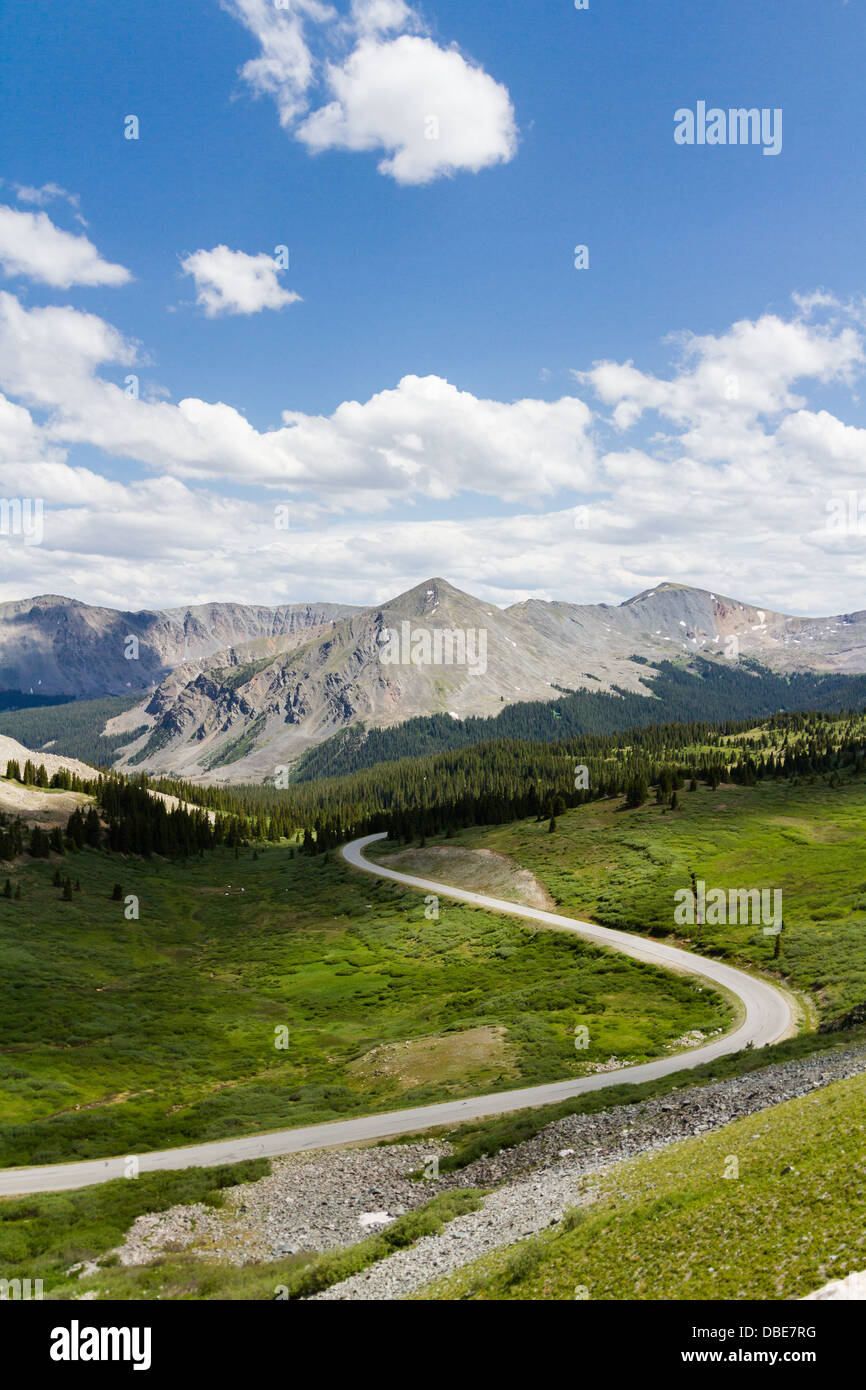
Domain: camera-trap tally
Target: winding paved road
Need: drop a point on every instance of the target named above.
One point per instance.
(767, 1017)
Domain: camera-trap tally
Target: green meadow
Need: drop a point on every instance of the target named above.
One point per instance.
(119, 1036)
(622, 868)
(770, 1207)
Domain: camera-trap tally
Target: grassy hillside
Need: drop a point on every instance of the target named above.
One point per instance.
(118, 1036)
(770, 1207)
(622, 867)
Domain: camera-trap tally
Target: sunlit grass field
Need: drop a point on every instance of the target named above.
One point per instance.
(622, 868)
(770, 1207)
(119, 1036)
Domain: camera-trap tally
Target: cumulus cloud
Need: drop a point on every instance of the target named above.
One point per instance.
(231, 282)
(723, 386)
(31, 245)
(161, 542)
(434, 112)
(378, 16)
(21, 440)
(734, 495)
(423, 438)
(430, 109)
(285, 69)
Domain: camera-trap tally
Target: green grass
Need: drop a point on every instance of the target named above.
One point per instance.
(119, 1037)
(42, 1236)
(622, 868)
(238, 748)
(789, 1217)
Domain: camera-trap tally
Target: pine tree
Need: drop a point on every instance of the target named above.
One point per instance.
(67, 891)
(637, 791)
(40, 845)
(7, 891)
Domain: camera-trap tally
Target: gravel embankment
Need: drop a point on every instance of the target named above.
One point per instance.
(316, 1201)
(525, 1205)
(310, 1201)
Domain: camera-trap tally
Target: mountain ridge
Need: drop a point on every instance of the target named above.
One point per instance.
(242, 692)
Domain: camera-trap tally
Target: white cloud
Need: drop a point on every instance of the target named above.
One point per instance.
(748, 517)
(49, 356)
(422, 439)
(285, 69)
(378, 16)
(159, 542)
(21, 439)
(430, 109)
(31, 245)
(746, 373)
(231, 282)
(41, 197)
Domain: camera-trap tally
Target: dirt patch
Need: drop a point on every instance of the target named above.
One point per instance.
(172, 803)
(481, 870)
(39, 807)
(443, 1057)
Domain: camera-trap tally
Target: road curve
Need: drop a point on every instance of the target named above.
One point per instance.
(767, 1018)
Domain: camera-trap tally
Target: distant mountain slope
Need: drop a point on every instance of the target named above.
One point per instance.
(702, 690)
(75, 729)
(250, 691)
(52, 646)
(245, 722)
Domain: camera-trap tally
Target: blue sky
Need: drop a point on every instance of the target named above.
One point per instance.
(466, 277)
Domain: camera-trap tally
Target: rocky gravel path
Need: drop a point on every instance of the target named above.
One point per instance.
(513, 1212)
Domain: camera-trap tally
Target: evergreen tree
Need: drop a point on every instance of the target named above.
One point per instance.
(40, 845)
(637, 791)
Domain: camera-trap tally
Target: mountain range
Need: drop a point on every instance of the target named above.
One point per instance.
(232, 692)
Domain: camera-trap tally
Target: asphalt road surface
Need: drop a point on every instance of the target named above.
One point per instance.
(767, 1018)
